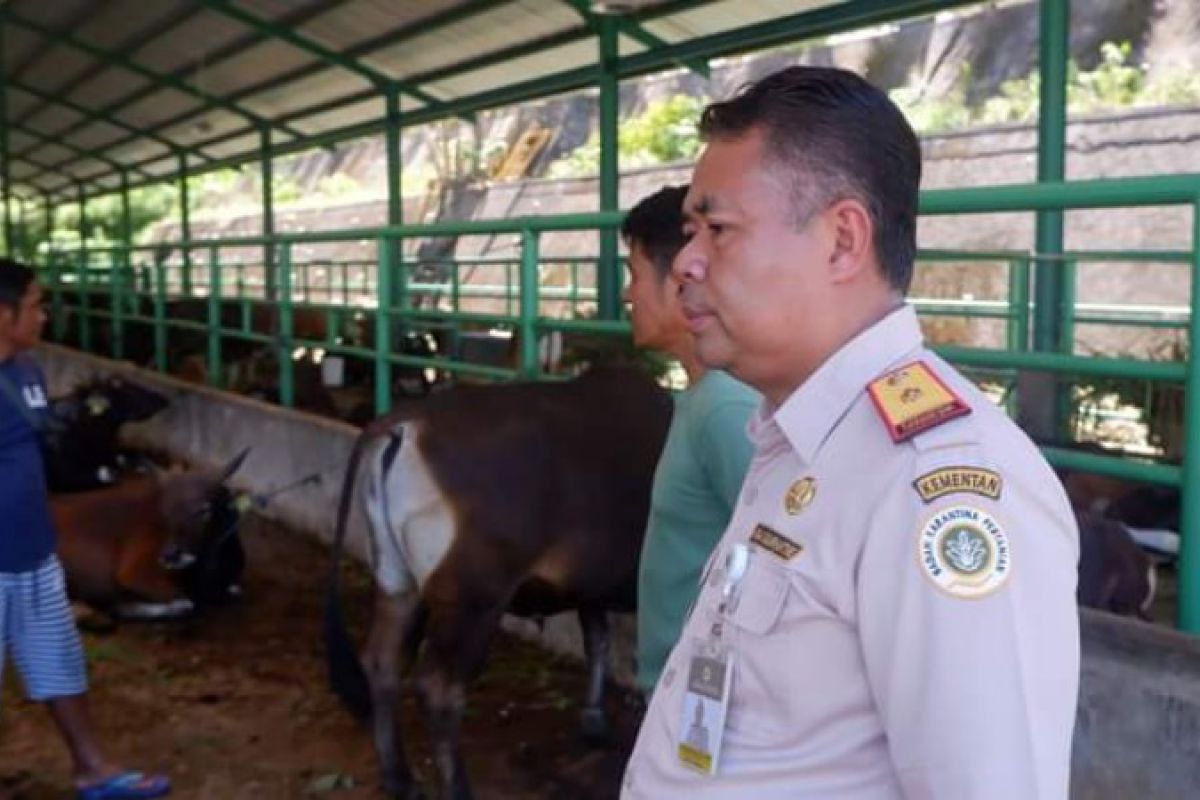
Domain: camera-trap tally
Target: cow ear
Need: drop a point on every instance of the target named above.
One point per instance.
(229, 469)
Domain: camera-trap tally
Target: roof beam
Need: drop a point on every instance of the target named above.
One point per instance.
(44, 139)
(635, 31)
(85, 13)
(225, 53)
(316, 49)
(418, 28)
(108, 57)
(796, 27)
(821, 21)
(87, 73)
(47, 170)
(92, 116)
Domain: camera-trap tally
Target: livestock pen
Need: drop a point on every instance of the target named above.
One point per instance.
(99, 102)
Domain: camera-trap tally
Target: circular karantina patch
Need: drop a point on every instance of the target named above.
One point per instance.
(964, 551)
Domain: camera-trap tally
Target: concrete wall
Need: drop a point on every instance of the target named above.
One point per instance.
(206, 428)
(1138, 732)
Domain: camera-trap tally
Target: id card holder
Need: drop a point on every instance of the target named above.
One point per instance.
(705, 704)
(709, 678)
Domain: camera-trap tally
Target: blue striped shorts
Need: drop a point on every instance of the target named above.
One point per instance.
(38, 630)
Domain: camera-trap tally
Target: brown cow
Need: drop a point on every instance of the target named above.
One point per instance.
(1115, 575)
(149, 546)
(527, 497)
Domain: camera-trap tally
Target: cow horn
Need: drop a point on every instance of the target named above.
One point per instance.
(233, 466)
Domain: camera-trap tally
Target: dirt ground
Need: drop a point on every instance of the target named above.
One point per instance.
(234, 705)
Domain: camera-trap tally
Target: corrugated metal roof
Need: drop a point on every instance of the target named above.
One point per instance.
(205, 75)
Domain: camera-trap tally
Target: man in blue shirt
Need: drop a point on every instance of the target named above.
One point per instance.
(36, 626)
(707, 451)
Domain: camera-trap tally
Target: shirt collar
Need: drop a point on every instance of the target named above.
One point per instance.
(808, 416)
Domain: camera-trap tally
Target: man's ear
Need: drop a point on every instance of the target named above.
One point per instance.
(853, 235)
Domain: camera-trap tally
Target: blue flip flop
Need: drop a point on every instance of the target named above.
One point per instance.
(126, 786)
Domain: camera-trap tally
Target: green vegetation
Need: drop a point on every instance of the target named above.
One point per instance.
(665, 132)
(1113, 84)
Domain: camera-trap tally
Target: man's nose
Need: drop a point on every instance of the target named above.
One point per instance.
(690, 265)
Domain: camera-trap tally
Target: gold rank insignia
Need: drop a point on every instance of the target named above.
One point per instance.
(912, 399)
(800, 495)
(954, 480)
(775, 542)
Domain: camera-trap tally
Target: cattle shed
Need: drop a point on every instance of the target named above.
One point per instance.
(102, 101)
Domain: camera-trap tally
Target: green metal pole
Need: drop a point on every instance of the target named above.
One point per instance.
(527, 329)
(215, 377)
(116, 299)
(383, 327)
(1018, 319)
(395, 163)
(85, 300)
(48, 212)
(268, 211)
(160, 315)
(126, 213)
(5, 161)
(123, 276)
(1049, 283)
(287, 387)
(395, 186)
(21, 240)
(185, 223)
(56, 301)
(608, 271)
(1189, 552)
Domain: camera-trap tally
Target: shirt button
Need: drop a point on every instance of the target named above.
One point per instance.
(750, 496)
(629, 778)
(668, 677)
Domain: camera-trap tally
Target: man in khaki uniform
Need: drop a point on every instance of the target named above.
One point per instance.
(891, 611)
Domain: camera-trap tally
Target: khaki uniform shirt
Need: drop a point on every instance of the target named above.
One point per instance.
(906, 626)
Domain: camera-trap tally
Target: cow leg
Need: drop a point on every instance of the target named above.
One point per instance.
(592, 719)
(460, 631)
(381, 661)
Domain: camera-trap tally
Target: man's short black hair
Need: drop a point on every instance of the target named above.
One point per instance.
(656, 225)
(837, 136)
(15, 279)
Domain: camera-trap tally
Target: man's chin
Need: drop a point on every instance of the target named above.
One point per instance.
(713, 353)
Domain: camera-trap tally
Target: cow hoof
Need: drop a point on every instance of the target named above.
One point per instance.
(594, 725)
(412, 791)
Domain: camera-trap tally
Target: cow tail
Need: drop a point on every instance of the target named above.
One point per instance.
(347, 678)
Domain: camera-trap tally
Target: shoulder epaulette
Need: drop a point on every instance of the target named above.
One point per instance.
(913, 399)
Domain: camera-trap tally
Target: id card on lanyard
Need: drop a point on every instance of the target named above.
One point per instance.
(709, 678)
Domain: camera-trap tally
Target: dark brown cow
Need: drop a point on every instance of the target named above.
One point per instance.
(151, 546)
(81, 449)
(1115, 575)
(525, 497)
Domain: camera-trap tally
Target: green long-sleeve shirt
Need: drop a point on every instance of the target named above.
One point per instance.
(696, 486)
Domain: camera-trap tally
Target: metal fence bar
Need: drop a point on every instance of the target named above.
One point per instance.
(1189, 555)
(383, 326)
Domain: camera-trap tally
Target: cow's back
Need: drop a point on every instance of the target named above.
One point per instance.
(555, 478)
(94, 527)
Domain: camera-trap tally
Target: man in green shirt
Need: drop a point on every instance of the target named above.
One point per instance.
(707, 452)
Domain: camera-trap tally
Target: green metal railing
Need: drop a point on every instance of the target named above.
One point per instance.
(393, 293)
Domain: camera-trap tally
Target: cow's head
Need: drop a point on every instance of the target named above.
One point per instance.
(124, 400)
(82, 453)
(203, 513)
(112, 400)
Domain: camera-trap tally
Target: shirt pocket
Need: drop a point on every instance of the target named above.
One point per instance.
(759, 598)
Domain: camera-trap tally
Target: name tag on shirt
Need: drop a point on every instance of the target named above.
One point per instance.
(705, 703)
